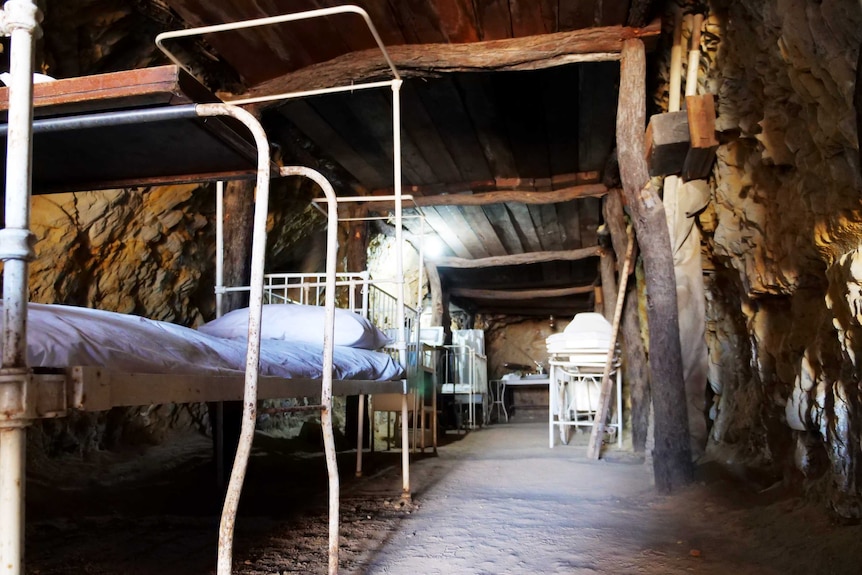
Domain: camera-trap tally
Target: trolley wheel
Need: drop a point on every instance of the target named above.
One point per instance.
(563, 414)
(565, 434)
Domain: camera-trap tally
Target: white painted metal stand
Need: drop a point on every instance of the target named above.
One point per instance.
(20, 20)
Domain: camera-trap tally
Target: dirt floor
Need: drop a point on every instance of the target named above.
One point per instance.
(494, 501)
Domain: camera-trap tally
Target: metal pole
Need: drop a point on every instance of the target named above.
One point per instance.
(328, 342)
(217, 424)
(219, 271)
(252, 366)
(20, 20)
(399, 274)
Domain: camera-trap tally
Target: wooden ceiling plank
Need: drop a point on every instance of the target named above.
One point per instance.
(446, 234)
(547, 228)
(481, 104)
(251, 51)
(568, 215)
(544, 218)
(613, 12)
(499, 217)
(531, 53)
(590, 217)
(519, 259)
(419, 21)
(524, 226)
(495, 20)
(531, 17)
(481, 225)
(465, 232)
(446, 109)
(355, 133)
(372, 109)
(596, 134)
(327, 138)
(416, 233)
(356, 35)
(522, 110)
(575, 14)
(458, 20)
(422, 130)
(560, 96)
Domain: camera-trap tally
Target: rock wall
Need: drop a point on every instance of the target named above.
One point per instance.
(783, 234)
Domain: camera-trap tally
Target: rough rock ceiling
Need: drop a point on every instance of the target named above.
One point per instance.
(479, 128)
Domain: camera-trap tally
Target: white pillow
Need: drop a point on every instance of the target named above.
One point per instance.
(296, 322)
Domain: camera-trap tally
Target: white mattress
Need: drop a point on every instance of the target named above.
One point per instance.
(60, 336)
(587, 334)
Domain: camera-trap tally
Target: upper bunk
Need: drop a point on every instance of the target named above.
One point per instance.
(130, 128)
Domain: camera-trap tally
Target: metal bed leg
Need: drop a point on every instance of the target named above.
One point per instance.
(359, 433)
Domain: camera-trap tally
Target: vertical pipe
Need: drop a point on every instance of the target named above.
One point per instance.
(359, 435)
(20, 16)
(12, 456)
(219, 263)
(252, 365)
(218, 424)
(328, 341)
(399, 275)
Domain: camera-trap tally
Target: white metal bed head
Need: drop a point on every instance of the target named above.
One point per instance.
(226, 531)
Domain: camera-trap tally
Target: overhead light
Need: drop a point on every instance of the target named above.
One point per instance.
(433, 247)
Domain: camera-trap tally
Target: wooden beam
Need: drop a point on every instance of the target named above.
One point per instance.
(519, 259)
(500, 197)
(510, 184)
(567, 309)
(672, 456)
(518, 295)
(434, 60)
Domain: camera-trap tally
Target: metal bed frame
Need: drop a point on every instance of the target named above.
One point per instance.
(26, 396)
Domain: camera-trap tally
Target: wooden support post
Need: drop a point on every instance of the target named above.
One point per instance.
(672, 457)
(635, 377)
(609, 285)
(595, 446)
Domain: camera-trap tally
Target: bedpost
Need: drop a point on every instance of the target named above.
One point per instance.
(20, 20)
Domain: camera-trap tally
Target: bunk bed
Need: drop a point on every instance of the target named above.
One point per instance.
(218, 141)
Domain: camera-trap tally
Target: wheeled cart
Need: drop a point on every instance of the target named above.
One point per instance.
(577, 362)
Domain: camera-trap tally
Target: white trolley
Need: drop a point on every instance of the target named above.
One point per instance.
(577, 361)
